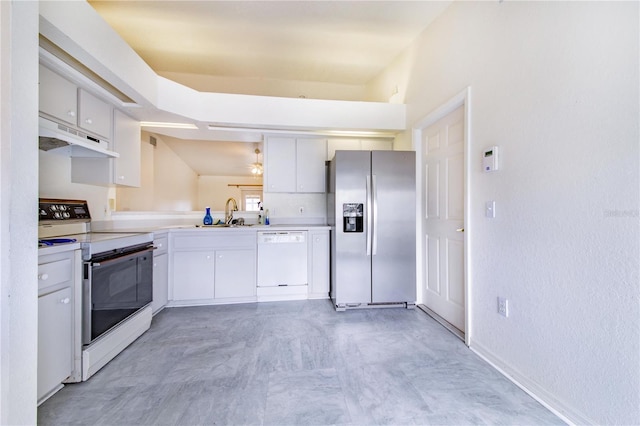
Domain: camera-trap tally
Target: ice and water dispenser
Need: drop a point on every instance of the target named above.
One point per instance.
(352, 217)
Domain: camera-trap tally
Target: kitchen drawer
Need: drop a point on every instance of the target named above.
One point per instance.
(223, 240)
(52, 273)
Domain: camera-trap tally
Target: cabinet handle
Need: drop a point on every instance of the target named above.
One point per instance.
(88, 121)
(208, 257)
(43, 277)
(121, 177)
(155, 265)
(65, 301)
(219, 256)
(71, 113)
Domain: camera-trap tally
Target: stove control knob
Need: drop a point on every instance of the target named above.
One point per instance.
(67, 215)
(54, 208)
(43, 277)
(57, 215)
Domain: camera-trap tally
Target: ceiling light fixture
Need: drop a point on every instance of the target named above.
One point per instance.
(168, 125)
(256, 168)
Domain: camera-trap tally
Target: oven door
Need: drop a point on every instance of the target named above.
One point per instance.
(116, 285)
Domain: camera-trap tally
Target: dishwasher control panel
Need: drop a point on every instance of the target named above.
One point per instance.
(281, 237)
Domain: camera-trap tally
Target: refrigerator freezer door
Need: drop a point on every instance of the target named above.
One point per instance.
(394, 227)
(352, 270)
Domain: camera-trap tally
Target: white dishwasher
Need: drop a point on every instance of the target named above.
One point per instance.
(282, 258)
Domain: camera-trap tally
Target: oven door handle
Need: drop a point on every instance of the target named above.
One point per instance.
(127, 256)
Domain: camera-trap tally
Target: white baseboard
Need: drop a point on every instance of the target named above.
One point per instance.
(549, 401)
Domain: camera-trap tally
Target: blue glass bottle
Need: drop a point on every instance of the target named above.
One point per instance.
(208, 220)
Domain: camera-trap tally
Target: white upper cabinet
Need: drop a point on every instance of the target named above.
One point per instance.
(124, 170)
(280, 165)
(95, 115)
(58, 97)
(295, 164)
(126, 142)
(62, 100)
(310, 165)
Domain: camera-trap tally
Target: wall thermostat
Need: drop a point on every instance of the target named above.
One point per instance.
(490, 159)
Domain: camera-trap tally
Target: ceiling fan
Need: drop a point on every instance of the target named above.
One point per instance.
(256, 168)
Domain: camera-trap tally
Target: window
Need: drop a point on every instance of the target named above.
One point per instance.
(251, 200)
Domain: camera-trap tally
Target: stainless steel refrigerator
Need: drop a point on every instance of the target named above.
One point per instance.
(372, 213)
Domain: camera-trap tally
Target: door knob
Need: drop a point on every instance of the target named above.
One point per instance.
(460, 230)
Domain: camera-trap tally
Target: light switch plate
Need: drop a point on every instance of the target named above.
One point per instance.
(490, 209)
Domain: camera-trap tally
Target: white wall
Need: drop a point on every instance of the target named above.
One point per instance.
(18, 211)
(555, 86)
(167, 184)
(55, 182)
(285, 208)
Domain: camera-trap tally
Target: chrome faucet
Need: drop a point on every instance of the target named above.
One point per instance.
(228, 212)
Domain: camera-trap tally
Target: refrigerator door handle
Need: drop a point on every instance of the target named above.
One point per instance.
(374, 232)
(369, 215)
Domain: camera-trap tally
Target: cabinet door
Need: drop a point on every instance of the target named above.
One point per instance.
(319, 274)
(126, 142)
(160, 281)
(310, 165)
(280, 170)
(58, 96)
(95, 115)
(55, 339)
(192, 277)
(235, 273)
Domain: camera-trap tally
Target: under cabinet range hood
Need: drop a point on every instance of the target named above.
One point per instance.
(57, 137)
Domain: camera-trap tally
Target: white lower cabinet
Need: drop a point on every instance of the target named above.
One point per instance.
(318, 264)
(58, 322)
(235, 274)
(160, 282)
(192, 277)
(160, 271)
(55, 339)
(212, 267)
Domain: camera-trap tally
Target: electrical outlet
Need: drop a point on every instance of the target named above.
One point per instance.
(503, 307)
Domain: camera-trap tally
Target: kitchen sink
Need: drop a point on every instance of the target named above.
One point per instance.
(224, 225)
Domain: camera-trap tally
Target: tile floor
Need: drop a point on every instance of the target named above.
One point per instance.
(294, 363)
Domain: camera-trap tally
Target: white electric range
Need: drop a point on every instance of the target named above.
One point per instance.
(117, 279)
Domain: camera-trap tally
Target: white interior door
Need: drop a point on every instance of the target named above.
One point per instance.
(443, 166)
